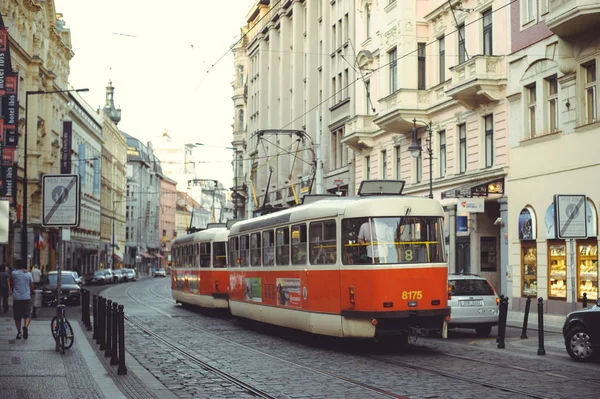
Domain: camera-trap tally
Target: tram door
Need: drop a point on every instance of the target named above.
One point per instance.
(463, 255)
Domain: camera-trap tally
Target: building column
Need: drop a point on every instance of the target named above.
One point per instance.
(504, 246)
(451, 210)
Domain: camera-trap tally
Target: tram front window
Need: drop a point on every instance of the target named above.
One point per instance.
(390, 240)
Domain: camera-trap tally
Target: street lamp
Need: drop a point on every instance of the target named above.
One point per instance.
(415, 150)
(24, 228)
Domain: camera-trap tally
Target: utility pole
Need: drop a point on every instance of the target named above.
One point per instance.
(319, 163)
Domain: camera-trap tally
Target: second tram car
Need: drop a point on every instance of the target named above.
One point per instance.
(200, 275)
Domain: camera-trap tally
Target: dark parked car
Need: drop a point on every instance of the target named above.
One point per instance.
(98, 278)
(582, 333)
(70, 290)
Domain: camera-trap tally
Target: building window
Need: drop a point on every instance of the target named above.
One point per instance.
(333, 91)
(367, 21)
(489, 141)
(590, 92)
(383, 158)
(240, 120)
(333, 37)
(529, 268)
(462, 51)
(398, 159)
(337, 148)
(553, 104)
(367, 167)
(421, 66)
(462, 145)
(529, 10)
(419, 165)
(392, 55)
(487, 32)
(240, 75)
(346, 83)
(442, 136)
(442, 53)
(531, 103)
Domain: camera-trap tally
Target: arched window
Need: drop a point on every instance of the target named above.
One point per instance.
(367, 21)
(527, 224)
(240, 77)
(241, 119)
(527, 236)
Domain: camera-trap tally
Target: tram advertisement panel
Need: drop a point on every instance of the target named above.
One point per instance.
(253, 289)
(288, 292)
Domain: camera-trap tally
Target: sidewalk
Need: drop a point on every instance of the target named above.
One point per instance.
(33, 369)
(552, 323)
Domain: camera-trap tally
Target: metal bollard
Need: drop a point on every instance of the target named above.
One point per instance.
(82, 293)
(102, 320)
(526, 318)
(114, 359)
(122, 370)
(108, 351)
(541, 350)
(502, 322)
(95, 314)
(584, 300)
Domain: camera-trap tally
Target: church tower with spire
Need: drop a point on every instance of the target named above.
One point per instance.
(109, 107)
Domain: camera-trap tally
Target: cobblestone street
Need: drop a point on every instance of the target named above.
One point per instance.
(172, 342)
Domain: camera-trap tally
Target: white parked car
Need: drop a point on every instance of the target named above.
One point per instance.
(474, 303)
(159, 272)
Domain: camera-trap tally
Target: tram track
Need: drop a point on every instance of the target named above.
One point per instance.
(396, 362)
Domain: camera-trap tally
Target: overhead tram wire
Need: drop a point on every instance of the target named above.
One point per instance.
(383, 66)
(234, 44)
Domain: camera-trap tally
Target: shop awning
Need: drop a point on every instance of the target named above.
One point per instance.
(476, 189)
(118, 255)
(147, 255)
(159, 256)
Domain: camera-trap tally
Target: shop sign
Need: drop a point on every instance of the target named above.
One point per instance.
(571, 218)
(471, 205)
(65, 161)
(4, 221)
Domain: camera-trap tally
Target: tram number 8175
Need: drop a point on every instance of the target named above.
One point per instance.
(412, 294)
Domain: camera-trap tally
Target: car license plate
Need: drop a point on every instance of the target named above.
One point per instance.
(486, 310)
(471, 303)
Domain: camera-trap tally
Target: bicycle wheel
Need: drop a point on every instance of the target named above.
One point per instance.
(54, 327)
(68, 334)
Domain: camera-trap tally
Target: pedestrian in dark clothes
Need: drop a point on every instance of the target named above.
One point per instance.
(4, 288)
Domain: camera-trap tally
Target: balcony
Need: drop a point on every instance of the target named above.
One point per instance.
(360, 132)
(572, 17)
(479, 80)
(399, 109)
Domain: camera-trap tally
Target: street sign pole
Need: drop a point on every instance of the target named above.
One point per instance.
(571, 223)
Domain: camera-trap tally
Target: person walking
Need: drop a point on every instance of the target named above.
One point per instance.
(21, 289)
(4, 288)
(36, 274)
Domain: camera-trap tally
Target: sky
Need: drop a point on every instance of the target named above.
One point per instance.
(157, 55)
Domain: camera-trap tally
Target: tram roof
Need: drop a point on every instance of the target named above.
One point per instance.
(349, 207)
(212, 234)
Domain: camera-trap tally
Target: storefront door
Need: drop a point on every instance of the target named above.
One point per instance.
(463, 255)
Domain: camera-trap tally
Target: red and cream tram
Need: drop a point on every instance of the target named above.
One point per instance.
(199, 275)
(367, 266)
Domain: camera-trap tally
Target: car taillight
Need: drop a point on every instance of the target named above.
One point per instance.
(449, 291)
(497, 301)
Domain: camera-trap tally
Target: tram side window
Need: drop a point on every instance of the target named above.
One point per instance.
(282, 246)
(299, 241)
(233, 251)
(245, 251)
(205, 254)
(322, 243)
(255, 249)
(196, 263)
(219, 254)
(353, 252)
(268, 245)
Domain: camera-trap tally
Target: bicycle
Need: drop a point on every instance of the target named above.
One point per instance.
(62, 330)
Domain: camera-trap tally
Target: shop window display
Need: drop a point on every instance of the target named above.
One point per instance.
(587, 265)
(557, 270)
(529, 262)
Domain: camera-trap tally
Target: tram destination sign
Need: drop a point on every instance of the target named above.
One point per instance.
(571, 220)
(60, 200)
